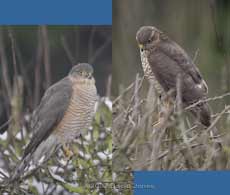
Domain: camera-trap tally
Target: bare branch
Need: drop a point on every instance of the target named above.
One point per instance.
(207, 100)
(67, 50)
(46, 48)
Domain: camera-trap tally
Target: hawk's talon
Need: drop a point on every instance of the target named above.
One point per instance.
(155, 123)
(68, 153)
(160, 97)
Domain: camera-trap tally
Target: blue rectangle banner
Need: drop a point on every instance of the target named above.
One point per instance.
(56, 12)
(181, 182)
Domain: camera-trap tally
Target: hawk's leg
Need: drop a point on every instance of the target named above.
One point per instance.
(160, 104)
(68, 153)
(165, 105)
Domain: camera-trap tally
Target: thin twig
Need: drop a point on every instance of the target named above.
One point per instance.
(100, 50)
(37, 71)
(207, 100)
(14, 57)
(67, 50)
(6, 123)
(217, 118)
(46, 55)
(4, 65)
(196, 55)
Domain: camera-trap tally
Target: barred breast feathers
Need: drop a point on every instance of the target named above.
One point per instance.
(80, 111)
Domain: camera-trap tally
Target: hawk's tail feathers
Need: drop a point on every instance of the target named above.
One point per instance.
(218, 140)
(204, 116)
(20, 168)
(204, 113)
(38, 157)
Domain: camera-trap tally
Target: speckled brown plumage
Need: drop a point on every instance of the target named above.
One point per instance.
(149, 74)
(164, 61)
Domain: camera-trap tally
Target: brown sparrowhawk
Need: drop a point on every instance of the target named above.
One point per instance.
(65, 111)
(163, 61)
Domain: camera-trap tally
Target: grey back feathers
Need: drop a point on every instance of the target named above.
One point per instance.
(50, 112)
(45, 117)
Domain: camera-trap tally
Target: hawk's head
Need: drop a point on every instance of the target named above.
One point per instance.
(82, 71)
(147, 36)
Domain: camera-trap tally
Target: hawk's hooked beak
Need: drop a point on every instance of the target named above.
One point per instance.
(90, 76)
(87, 75)
(141, 46)
(84, 74)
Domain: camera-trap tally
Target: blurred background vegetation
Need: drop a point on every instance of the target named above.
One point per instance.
(31, 59)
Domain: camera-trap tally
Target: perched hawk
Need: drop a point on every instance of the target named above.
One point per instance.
(64, 112)
(163, 61)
